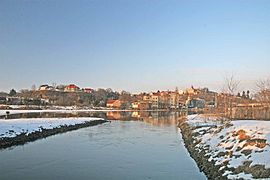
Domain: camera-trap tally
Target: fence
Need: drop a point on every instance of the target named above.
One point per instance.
(262, 113)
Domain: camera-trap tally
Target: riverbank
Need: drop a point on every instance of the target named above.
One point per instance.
(26, 136)
(226, 149)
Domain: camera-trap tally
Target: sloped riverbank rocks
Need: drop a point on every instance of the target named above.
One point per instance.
(225, 149)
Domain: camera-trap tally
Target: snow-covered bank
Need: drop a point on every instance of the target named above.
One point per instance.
(15, 127)
(20, 131)
(239, 148)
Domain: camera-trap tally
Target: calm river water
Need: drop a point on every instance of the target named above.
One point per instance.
(137, 146)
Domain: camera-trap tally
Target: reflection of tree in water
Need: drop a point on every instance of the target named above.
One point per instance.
(121, 115)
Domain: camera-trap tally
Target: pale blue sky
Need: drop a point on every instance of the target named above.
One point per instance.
(132, 44)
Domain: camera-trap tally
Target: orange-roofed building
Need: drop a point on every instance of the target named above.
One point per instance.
(71, 88)
(113, 103)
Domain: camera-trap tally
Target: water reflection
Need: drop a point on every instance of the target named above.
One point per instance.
(156, 118)
(135, 145)
(138, 145)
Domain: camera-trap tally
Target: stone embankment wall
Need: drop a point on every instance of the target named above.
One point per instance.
(208, 167)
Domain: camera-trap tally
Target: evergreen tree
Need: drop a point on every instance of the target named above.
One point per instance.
(12, 92)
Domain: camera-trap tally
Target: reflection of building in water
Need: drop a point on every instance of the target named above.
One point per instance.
(135, 114)
(159, 119)
(113, 115)
(144, 114)
(156, 118)
(121, 115)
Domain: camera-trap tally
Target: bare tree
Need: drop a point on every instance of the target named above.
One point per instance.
(231, 84)
(263, 94)
(54, 85)
(33, 87)
(229, 89)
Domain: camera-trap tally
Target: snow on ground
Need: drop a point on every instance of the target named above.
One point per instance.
(242, 141)
(240, 175)
(14, 127)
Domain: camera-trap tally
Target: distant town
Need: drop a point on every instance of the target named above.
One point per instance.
(241, 105)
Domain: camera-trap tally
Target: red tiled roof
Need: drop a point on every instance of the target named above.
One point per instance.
(71, 86)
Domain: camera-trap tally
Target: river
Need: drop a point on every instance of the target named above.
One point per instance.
(148, 147)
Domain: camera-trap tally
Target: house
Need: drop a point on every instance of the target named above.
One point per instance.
(155, 99)
(147, 97)
(140, 105)
(195, 103)
(192, 91)
(144, 105)
(46, 87)
(3, 100)
(71, 88)
(174, 100)
(43, 87)
(87, 90)
(135, 105)
(162, 100)
(113, 103)
(60, 88)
